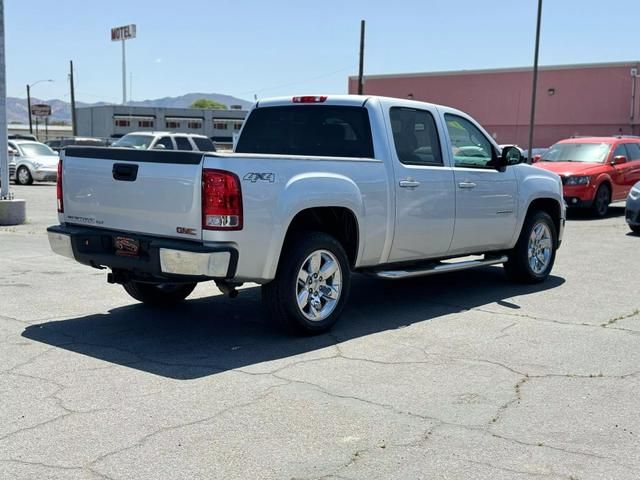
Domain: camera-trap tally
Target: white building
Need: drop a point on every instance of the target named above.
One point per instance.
(114, 121)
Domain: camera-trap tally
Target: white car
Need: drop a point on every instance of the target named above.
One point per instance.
(33, 161)
(165, 141)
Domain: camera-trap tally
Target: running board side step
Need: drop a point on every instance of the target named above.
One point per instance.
(438, 268)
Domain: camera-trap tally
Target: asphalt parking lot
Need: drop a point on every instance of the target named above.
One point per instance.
(450, 377)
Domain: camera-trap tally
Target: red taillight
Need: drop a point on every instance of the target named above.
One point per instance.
(221, 200)
(59, 188)
(309, 99)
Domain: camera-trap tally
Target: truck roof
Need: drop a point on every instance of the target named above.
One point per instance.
(344, 100)
(155, 133)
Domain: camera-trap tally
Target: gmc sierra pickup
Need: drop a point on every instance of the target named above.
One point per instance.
(319, 187)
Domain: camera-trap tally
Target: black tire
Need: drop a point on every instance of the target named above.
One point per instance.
(518, 267)
(159, 294)
(28, 179)
(601, 201)
(635, 229)
(280, 295)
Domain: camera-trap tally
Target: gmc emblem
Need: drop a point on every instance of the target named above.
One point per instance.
(186, 231)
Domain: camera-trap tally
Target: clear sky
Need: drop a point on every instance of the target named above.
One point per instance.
(282, 47)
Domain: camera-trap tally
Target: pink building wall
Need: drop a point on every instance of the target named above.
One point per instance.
(587, 99)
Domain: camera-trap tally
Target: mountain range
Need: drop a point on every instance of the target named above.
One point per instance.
(61, 110)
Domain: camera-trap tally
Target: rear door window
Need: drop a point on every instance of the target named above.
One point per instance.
(166, 141)
(415, 136)
(314, 130)
(204, 144)
(633, 149)
(183, 143)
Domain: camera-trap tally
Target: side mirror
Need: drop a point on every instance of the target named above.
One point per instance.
(510, 156)
(536, 158)
(159, 146)
(13, 152)
(618, 160)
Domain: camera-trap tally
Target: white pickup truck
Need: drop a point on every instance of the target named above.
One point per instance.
(319, 187)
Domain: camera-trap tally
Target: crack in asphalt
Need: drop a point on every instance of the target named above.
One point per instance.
(516, 399)
(544, 319)
(144, 439)
(635, 313)
(513, 470)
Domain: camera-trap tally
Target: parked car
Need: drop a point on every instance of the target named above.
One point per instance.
(165, 141)
(595, 171)
(33, 161)
(632, 210)
(319, 187)
(60, 143)
(22, 136)
(536, 154)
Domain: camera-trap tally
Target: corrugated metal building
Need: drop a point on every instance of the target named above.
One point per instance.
(592, 99)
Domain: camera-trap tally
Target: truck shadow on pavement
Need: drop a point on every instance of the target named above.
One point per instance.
(586, 214)
(210, 335)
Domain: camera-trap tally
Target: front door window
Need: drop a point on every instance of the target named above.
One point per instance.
(470, 148)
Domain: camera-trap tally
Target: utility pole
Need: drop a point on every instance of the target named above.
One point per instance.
(29, 108)
(534, 87)
(361, 68)
(74, 123)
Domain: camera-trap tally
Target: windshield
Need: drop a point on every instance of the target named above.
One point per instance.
(577, 152)
(36, 149)
(141, 142)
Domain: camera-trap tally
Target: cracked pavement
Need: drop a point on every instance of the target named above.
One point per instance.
(449, 377)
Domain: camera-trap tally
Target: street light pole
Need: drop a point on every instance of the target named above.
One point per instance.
(29, 101)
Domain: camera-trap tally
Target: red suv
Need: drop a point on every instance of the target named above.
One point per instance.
(595, 171)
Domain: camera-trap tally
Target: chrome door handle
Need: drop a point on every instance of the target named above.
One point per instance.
(409, 183)
(467, 185)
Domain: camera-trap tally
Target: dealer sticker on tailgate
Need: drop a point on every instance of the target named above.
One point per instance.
(126, 246)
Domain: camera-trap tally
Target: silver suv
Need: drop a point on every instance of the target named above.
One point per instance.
(165, 141)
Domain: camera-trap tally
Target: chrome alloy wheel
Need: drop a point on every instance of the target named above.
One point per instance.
(23, 176)
(319, 285)
(539, 248)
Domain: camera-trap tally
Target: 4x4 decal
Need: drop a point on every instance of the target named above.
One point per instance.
(253, 177)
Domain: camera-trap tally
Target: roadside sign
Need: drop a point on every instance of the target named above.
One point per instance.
(40, 110)
(123, 33)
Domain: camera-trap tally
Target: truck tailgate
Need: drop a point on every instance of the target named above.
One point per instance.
(141, 191)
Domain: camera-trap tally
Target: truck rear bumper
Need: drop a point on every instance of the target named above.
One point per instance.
(157, 259)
